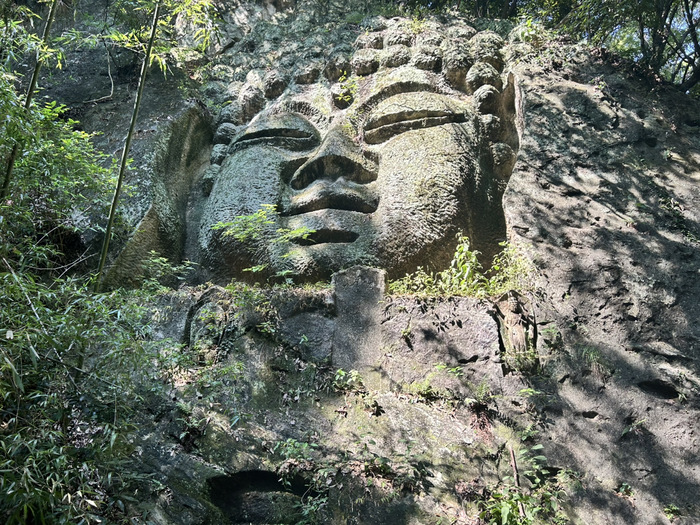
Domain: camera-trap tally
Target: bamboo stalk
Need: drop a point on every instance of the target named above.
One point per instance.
(127, 145)
(28, 100)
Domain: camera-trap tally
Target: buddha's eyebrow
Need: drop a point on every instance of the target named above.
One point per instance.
(405, 86)
(302, 108)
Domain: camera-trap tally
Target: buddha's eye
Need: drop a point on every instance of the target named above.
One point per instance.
(402, 122)
(409, 111)
(286, 131)
(289, 139)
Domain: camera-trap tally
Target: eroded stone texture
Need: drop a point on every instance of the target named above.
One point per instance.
(604, 199)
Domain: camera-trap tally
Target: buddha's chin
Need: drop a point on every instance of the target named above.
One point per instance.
(331, 226)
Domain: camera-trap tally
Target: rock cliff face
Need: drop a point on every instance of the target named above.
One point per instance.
(347, 405)
(604, 193)
(376, 407)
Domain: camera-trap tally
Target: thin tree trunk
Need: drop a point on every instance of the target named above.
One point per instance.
(516, 478)
(694, 78)
(28, 100)
(127, 145)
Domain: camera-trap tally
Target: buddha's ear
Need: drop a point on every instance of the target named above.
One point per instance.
(206, 183)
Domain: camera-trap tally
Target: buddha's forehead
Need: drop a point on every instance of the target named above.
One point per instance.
(405, 79)
(396, 57)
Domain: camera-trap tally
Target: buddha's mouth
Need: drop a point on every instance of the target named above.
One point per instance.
(332, 196)
(324, 236)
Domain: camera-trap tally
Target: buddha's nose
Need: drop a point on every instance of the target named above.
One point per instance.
(337, 157)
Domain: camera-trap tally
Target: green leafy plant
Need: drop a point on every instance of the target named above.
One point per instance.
(625, 490)
(528, 432)
(58, 177)
(319, 477)
(502, 507)
(193, 425)
(633, 428)
(593, 358)
(510, 271)
(512, 503)
(256, 228)
(427, 392)
(349, 84)
(246, 228)
(68, 365)
(672, 512)
(159, 272)
(292, 449)
(40, 58)
(533, 32)
(531, 392)
(392, 476)
(482, 394)
(465, 276)
(456, 371)
(311, 507)
(351, 381)
(417, 24)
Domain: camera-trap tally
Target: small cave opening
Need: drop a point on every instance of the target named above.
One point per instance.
(258, 496)
(658, 388)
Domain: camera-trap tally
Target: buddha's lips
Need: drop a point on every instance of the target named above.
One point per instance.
(332, 196)
(327, 236)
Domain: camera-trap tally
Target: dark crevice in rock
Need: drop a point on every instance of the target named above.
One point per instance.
(501, 345)
(658, 388)
(257, 496)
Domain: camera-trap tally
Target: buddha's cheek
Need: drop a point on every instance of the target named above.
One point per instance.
(247, 181)
(421, 178)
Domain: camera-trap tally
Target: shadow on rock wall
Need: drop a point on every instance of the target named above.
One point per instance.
(603, 197)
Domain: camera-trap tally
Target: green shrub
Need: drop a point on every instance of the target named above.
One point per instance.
(68, 358)
(465, 276)
(535, 499)
(59, 180)
(68, 361)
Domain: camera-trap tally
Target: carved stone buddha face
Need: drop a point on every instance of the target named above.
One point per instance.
(385, 168)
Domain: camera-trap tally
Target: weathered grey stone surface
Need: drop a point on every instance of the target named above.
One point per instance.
(601, 163)
(401, 351)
